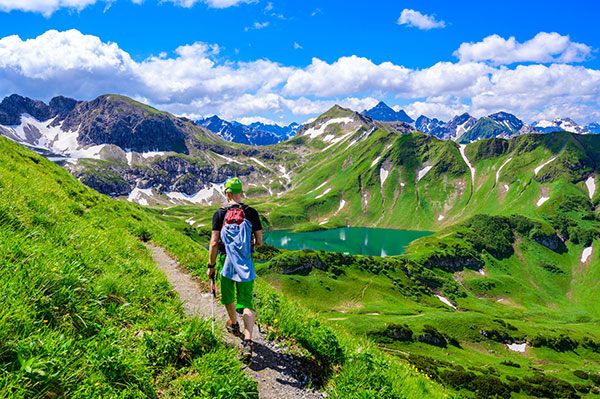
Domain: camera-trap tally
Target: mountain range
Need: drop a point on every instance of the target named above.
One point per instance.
(256, 133)
(125, 148)
(465, 128)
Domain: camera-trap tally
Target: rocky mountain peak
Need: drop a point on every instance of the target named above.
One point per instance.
(13, 106)
(383, 112)
(119, 120)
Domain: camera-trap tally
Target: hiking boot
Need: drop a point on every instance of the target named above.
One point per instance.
(234, 328)
(246, 351)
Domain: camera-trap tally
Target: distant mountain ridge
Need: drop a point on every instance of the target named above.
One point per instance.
(256, 133)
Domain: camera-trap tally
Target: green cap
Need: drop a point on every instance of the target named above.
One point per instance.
(234, 186)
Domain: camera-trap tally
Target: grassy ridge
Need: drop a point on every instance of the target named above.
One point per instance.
(85, 311)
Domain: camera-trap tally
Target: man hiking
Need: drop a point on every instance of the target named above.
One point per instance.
(236, 229)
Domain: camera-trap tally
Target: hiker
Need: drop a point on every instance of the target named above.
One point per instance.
(236, 229)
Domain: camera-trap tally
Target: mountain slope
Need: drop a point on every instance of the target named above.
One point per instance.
(85, 311)
(560, 124)
(454, 128)
(426, 125)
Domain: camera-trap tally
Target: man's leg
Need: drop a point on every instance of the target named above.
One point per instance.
(228, 298)
(248, 317)
(245, 306)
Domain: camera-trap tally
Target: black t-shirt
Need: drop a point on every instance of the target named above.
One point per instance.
(219, 218)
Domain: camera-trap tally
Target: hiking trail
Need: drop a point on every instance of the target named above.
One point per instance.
(279, 375)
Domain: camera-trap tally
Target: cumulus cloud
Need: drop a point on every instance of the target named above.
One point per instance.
(416, 19)
(345, 76)
(297, 46)
(544, 47)
(196, 80)
(45, 7)
(443, 108)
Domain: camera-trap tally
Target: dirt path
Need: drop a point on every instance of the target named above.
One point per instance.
(280, 375)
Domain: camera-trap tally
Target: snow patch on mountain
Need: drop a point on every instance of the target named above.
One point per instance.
(446, 301)
(228, 159)
(541, 201)
(323, 193)
(42, 136)
(316, 132)
(462, 149)
(590, 183)
(203, 197)
(517, 347)
(285, 174)
(587, 252)
(537, 170)
(421, 173)
(383, 175)
(500, 170)
(342, 204)
(140, 196)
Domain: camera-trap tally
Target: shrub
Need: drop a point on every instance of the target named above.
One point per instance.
(581, 374)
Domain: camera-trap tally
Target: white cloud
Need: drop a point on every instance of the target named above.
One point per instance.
(297, 46)
(45, 7)
(444, 108)
(210, 3)
(257, 26)
(247, 120)
(48, 7)
(345, 76)
(544, 47)
(195, 79)
(422, 21)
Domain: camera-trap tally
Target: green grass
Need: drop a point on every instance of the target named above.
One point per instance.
(85, 311)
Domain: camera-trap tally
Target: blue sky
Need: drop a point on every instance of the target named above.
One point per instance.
(289, 61)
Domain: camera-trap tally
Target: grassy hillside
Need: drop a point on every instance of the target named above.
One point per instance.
(85, 311)
(511, 280)
(87, 314)
(417, 182)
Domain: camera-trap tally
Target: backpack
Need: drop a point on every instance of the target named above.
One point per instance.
(236, 236)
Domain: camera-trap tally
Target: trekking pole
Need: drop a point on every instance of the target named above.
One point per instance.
(212, 301)
(256, 313)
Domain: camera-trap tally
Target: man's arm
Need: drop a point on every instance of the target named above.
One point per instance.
(258, 238)
(213, 249)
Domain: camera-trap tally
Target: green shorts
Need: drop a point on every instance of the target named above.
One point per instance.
(230, 288)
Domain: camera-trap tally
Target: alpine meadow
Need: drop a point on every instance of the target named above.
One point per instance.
(299, 200)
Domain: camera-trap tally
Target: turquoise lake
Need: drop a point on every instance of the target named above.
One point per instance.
(350, 240)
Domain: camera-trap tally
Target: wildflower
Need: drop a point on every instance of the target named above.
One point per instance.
(152, 381)
(276, 321)
(96, 384)
(54, 269)
(85, 308)
(45, 321)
